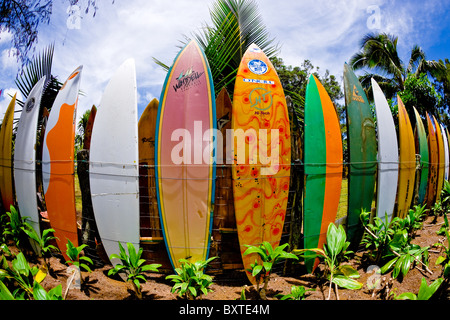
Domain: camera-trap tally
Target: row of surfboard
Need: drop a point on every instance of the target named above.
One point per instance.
(181, 139)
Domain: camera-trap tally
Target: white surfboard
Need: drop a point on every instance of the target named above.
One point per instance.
(444, 135)
(25, 156)
(387, 155)
(113, 168)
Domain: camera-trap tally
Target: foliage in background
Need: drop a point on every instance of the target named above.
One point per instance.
(43, 242)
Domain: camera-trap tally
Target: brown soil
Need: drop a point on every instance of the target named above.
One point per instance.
(229, 285)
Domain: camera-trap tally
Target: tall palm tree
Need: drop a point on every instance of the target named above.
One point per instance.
(236, 24)
(379, 54)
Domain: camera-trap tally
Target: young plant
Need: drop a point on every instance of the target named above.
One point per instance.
(405, 255)
(14, 226)
(378, 235)
(444, 260)
(413, 221)
(425, 291)
(133, 266)
(268, 257)
(42, 242)
(190, 281)
(334, 253)
(75, 259)
(297, 293)
(23, 276)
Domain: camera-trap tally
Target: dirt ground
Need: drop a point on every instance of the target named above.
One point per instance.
(229, 285)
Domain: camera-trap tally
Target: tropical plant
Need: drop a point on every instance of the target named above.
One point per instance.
(43, 242)
(190, 280)
(75, 259)
(297, 293)
(425, 291)
(269, 256)
(404, 254)
(377, 236)
(14, 226)
(379, 54)
(23, 276)
(39, 292)
(236, 24)
(413, 221)
(445, 196)
(334, 253)
(444, 260)
(133, 266)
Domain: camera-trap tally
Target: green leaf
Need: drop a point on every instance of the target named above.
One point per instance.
(406, 296)
(348, 283)
(425, 291)
(256, 270)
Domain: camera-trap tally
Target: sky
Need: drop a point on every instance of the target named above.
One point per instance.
(326, 32)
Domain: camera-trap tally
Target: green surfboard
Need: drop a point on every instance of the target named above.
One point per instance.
(362, 146)
(422, 147)
(323, 167)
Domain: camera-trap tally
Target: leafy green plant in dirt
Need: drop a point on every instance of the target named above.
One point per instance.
(21, 277)
(43, 242)
(133, 266)
(297, 293)
(14, 227)
(268, 256)
(413, 221)
(444, 260)
(425, 291)
(334, 253)
(402, 255)
(75, 259)
(190, 280)
(445, 196)
(377, 237)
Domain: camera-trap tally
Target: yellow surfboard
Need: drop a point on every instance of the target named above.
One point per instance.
(407, 166)
(6, 182)
(148, 203)
(262, 154)
(441, 160)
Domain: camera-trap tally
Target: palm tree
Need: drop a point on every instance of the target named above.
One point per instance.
(236, 24)
(379, 53)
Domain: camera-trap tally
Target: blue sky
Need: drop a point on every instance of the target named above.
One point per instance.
(325, 32)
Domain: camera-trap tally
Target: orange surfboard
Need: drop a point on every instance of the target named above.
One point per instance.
(262, 154)
(58, 163)
(434, 162)
(441, 159)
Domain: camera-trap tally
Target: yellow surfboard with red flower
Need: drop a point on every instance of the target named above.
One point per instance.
(262, 154)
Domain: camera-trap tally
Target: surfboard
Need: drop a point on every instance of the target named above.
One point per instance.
(148, 202)
(224, 232)
(448, 140)
(444, 137)
(441, 159)
(434, 162)
(25, 156)
(185, 172)
(362, 145)
(407, 161)
(58, 167)
(262, 154)
(6, 172)
(387, 155)
(88, 129)
(422, 149)
(323, 160)
(113, 164)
